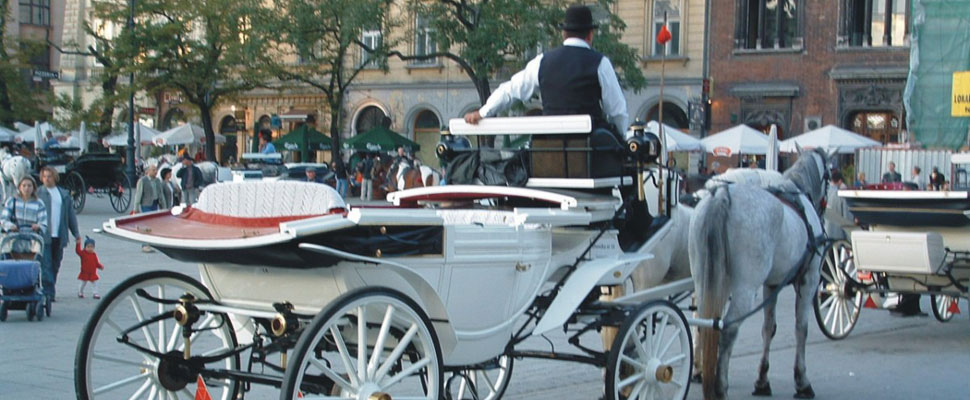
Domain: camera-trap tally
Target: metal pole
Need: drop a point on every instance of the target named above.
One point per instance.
(130, 152)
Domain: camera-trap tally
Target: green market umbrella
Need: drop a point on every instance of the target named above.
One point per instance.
(379, 139)
(303, 139)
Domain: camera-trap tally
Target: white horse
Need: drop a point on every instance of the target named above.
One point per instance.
(429, 176)
(210, 172)
(744, 237)
(12, 169)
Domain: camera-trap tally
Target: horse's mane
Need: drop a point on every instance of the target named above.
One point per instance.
(805, 174)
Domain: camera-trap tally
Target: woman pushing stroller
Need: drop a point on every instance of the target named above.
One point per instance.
(24, 212)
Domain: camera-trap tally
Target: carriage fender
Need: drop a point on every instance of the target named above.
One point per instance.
(427, 296)
(587, 275)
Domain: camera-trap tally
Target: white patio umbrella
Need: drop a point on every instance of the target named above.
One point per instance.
(7, 135)
(184, 134)
(29, 135)
(676, 140)
(121, 140)
(829, 137)
(741, 139)
(771, 162)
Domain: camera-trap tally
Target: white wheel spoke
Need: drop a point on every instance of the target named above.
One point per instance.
(344, 354)
(410, 370)
(628, 381)
(666, 346)
(116, 360)
(675, 359)
(632, 361)
(827, 302)
(173, 337)
(647, 394)
(639, 345)
(205, 324)
(141, 318)
(188, 394)
(141, 390)
(829, 315)
(123, 382)
(153, 393)
(336, 378)
(381, 337)
(161, 323)
(392, 358)
(491, 384)
(660, 334)
(362, 343)
(637, 389)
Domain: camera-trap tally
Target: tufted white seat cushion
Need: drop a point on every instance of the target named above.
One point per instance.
(262, 199)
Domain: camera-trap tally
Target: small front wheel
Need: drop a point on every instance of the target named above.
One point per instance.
(652, 355)
(120, 194)
(941, 306)
(368, 343)
(486, 381)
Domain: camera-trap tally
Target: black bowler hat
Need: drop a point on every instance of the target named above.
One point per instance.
(578, 19)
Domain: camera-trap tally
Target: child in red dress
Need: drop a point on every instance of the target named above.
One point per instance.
(89, 266)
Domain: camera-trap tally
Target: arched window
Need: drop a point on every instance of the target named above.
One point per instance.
(673, 116)
(173, 118)
(427, 132)
(228, 125)
(370, 118)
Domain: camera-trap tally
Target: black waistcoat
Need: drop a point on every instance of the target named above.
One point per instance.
(569, 82)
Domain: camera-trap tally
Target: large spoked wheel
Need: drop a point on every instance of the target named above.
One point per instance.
(120, 194)
(837, 302)
(74, 184)
(366, 344)
(487, 381)
(941, 306)
(107, 369)
(651, 356)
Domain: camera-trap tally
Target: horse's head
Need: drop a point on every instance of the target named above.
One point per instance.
(810, 174)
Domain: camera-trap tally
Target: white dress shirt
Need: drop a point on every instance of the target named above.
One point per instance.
(524, 83)
(55, 211)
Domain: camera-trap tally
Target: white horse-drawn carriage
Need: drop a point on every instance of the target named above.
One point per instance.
(427, 297)
(917, 242)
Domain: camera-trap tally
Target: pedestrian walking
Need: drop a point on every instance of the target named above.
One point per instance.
(61, 219)
(367, 178)
(170, 191)
(341, 176)
(191, 181)
(89, 267)
(148, 192)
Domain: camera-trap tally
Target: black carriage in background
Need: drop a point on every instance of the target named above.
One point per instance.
(99, 174)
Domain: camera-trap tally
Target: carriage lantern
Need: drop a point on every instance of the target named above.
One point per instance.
(449, 145)
(643, 146)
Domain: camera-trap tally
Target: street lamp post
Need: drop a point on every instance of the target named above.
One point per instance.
(130, 152)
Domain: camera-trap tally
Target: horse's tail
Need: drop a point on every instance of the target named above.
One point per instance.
(710, 264)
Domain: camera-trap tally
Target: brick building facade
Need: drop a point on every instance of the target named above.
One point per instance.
(805, 64)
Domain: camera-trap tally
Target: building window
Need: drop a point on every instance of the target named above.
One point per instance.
(371, 39)
(670, 9)
(370, 118)
(882, 126)
(867, 23)
(768, 24)
(35, 12)
(423, 43)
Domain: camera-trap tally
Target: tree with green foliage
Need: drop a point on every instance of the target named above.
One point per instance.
(18, 100)
(318, 43)
(488, 37)
(201, 48)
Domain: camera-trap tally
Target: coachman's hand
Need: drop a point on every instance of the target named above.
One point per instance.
(473, 117)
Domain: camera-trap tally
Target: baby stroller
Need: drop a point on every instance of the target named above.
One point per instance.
(21, 286)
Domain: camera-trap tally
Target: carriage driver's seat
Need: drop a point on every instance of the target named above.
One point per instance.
(263, 199)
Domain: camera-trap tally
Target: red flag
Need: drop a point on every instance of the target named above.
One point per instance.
(664, 35)
(201, 393)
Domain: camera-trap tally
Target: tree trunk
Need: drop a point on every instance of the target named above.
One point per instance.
(107, 92)
(205, 111)
(483, 88)
(336, 105)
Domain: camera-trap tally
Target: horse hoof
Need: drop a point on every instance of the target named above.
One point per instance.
(762, 390)
(696, 378)
(806, 393)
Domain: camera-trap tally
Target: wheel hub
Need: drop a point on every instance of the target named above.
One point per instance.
(371, 391)
(172, 373)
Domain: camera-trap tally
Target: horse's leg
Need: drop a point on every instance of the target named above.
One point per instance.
(742, 301)
(805, 290)
(762, 387)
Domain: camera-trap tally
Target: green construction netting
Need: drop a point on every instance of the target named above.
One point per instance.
(940, 46)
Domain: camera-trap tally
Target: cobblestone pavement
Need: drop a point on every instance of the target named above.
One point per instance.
(884, 358)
